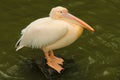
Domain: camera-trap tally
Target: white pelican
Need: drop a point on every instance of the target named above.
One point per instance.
(58, 30)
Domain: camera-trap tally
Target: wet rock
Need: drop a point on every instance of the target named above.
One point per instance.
(49, 73)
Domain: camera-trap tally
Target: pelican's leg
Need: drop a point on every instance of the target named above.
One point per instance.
(56, 59)
(52, 63)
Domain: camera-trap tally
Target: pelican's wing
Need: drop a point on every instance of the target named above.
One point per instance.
(42, 32)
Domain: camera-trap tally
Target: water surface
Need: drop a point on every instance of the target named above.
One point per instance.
(96, 55)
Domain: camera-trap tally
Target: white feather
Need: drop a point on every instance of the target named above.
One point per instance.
(42, 32)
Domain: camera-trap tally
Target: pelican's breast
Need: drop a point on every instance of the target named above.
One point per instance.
(74, 32)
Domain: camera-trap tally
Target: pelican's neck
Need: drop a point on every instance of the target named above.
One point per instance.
(77, 27)
(71, 22)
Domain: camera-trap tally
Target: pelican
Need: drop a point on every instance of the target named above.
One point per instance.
(58, 30)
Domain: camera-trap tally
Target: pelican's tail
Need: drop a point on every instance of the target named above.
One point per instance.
(18, 45)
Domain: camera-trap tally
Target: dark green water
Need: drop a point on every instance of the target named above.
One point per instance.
(96, 55)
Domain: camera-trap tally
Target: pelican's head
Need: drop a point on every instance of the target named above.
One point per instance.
(57, 12)
(62, 13)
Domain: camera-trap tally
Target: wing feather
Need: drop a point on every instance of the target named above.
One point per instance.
(42, 32)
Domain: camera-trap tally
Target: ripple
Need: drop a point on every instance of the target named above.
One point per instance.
(13, 70)
(91, 60)
(106, 73)
(4, 75)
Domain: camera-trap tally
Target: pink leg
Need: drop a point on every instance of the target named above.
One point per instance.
(56, 59)
(52, 63)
